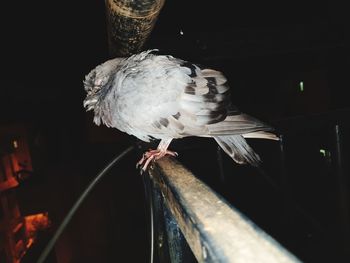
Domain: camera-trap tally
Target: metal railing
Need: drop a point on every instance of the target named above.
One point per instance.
(190, 222)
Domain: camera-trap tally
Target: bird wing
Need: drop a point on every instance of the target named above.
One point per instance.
(165, 97)
(206, 109)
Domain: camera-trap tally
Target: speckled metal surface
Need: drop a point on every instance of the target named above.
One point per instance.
(214, 229)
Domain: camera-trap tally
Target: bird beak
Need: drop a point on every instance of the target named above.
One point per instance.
(86, 103)
(89, 103)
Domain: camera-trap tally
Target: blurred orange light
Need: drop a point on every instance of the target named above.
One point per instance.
(35, 223)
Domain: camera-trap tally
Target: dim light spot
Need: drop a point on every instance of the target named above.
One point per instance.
(323, 152)
(301, 86)
(181, 32)
(15, 144)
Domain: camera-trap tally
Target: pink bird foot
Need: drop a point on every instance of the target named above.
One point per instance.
(153, 155)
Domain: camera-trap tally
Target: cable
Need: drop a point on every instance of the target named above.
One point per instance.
(76, 205)
(149, 209)
(149, 200)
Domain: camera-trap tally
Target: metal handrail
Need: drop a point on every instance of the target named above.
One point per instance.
(214, 230)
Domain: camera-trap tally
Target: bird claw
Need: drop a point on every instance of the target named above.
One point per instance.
(152, 155)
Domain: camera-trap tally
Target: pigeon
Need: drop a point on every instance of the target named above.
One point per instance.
(160, 97)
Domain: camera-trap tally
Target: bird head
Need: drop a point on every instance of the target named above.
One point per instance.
(96, 83)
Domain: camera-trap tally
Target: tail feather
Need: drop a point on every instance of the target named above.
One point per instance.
(261, 135)
(238, 149)
(238, 124)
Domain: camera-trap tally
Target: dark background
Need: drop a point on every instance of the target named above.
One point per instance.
(264, 49)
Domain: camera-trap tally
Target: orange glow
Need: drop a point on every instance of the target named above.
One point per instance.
(30, 242)
(35, 223)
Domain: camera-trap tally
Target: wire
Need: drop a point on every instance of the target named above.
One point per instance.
(82, 197)
(149, 200)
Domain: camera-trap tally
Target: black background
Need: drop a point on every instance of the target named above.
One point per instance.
(265, 49)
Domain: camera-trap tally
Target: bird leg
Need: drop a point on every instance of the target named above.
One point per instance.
(153, 155)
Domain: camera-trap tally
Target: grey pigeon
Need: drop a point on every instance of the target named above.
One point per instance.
(160, 97)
